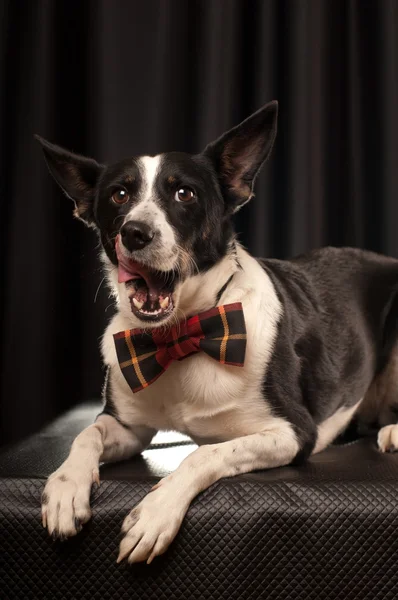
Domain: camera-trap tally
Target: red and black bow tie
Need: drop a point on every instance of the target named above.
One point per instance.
(144, 355)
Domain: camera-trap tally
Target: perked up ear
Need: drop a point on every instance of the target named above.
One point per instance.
(76, 175)
(239, 154)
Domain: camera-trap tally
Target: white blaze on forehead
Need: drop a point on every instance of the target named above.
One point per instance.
(149, 210)
(149, 167)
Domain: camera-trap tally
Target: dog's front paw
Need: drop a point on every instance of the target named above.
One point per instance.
(387, 439)
(152, 525)
(66, 500)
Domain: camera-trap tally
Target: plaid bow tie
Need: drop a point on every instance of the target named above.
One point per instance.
(219, 332)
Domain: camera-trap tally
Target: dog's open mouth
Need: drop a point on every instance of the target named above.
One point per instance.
(150, 291)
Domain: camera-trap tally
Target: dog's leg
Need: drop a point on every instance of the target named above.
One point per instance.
(66, 496)
(152, 525)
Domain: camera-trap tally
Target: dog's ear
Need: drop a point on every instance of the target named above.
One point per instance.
(239, 154)
(76, 175)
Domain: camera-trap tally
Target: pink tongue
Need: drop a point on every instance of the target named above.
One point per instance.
(129, 270)
(124, 274)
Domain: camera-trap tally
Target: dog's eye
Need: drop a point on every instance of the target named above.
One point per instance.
(184, 194)
(120, 197)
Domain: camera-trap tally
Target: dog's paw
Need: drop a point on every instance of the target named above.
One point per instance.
(66, 500)
(152, 525)
(387, 439)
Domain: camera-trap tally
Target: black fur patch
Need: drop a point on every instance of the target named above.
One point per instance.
(108, 215)
(109, 406)
(202, 226)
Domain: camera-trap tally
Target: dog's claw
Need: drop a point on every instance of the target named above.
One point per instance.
(96, 478)
(121, 556)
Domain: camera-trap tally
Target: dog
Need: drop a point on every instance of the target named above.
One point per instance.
(296, 348)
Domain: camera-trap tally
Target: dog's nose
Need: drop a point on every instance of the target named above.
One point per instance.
(136, 235)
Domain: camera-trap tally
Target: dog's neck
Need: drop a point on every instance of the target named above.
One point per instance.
(205, 290)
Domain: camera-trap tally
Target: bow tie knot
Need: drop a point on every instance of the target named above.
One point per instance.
(144, 355)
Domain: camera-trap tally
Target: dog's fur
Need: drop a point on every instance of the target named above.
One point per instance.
(321, 332)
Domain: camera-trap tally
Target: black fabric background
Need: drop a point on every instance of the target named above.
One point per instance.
(114, 78)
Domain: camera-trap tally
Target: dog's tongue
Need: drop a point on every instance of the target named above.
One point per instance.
(126, 272)
(129, 270)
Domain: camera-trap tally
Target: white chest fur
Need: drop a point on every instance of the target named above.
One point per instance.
(199, 396)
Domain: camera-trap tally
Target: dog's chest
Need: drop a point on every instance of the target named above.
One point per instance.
(198, 395)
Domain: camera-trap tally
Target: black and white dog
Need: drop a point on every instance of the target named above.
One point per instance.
(321, 332)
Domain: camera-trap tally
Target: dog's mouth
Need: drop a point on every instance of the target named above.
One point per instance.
(150, 291)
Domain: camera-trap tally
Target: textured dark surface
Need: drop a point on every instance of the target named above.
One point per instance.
(322, 531)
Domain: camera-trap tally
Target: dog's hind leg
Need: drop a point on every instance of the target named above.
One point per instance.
(66, 496)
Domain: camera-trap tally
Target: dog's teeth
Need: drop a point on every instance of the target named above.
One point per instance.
(137, 304)
(164, 303)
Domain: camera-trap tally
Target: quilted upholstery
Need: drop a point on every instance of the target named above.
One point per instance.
(323, 531)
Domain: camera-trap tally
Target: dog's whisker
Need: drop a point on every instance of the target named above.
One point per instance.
(98, 289)
(192, 266)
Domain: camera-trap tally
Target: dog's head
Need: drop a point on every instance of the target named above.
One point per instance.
(162, 219)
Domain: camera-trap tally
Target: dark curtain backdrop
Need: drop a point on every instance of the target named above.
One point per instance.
(111, 78)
